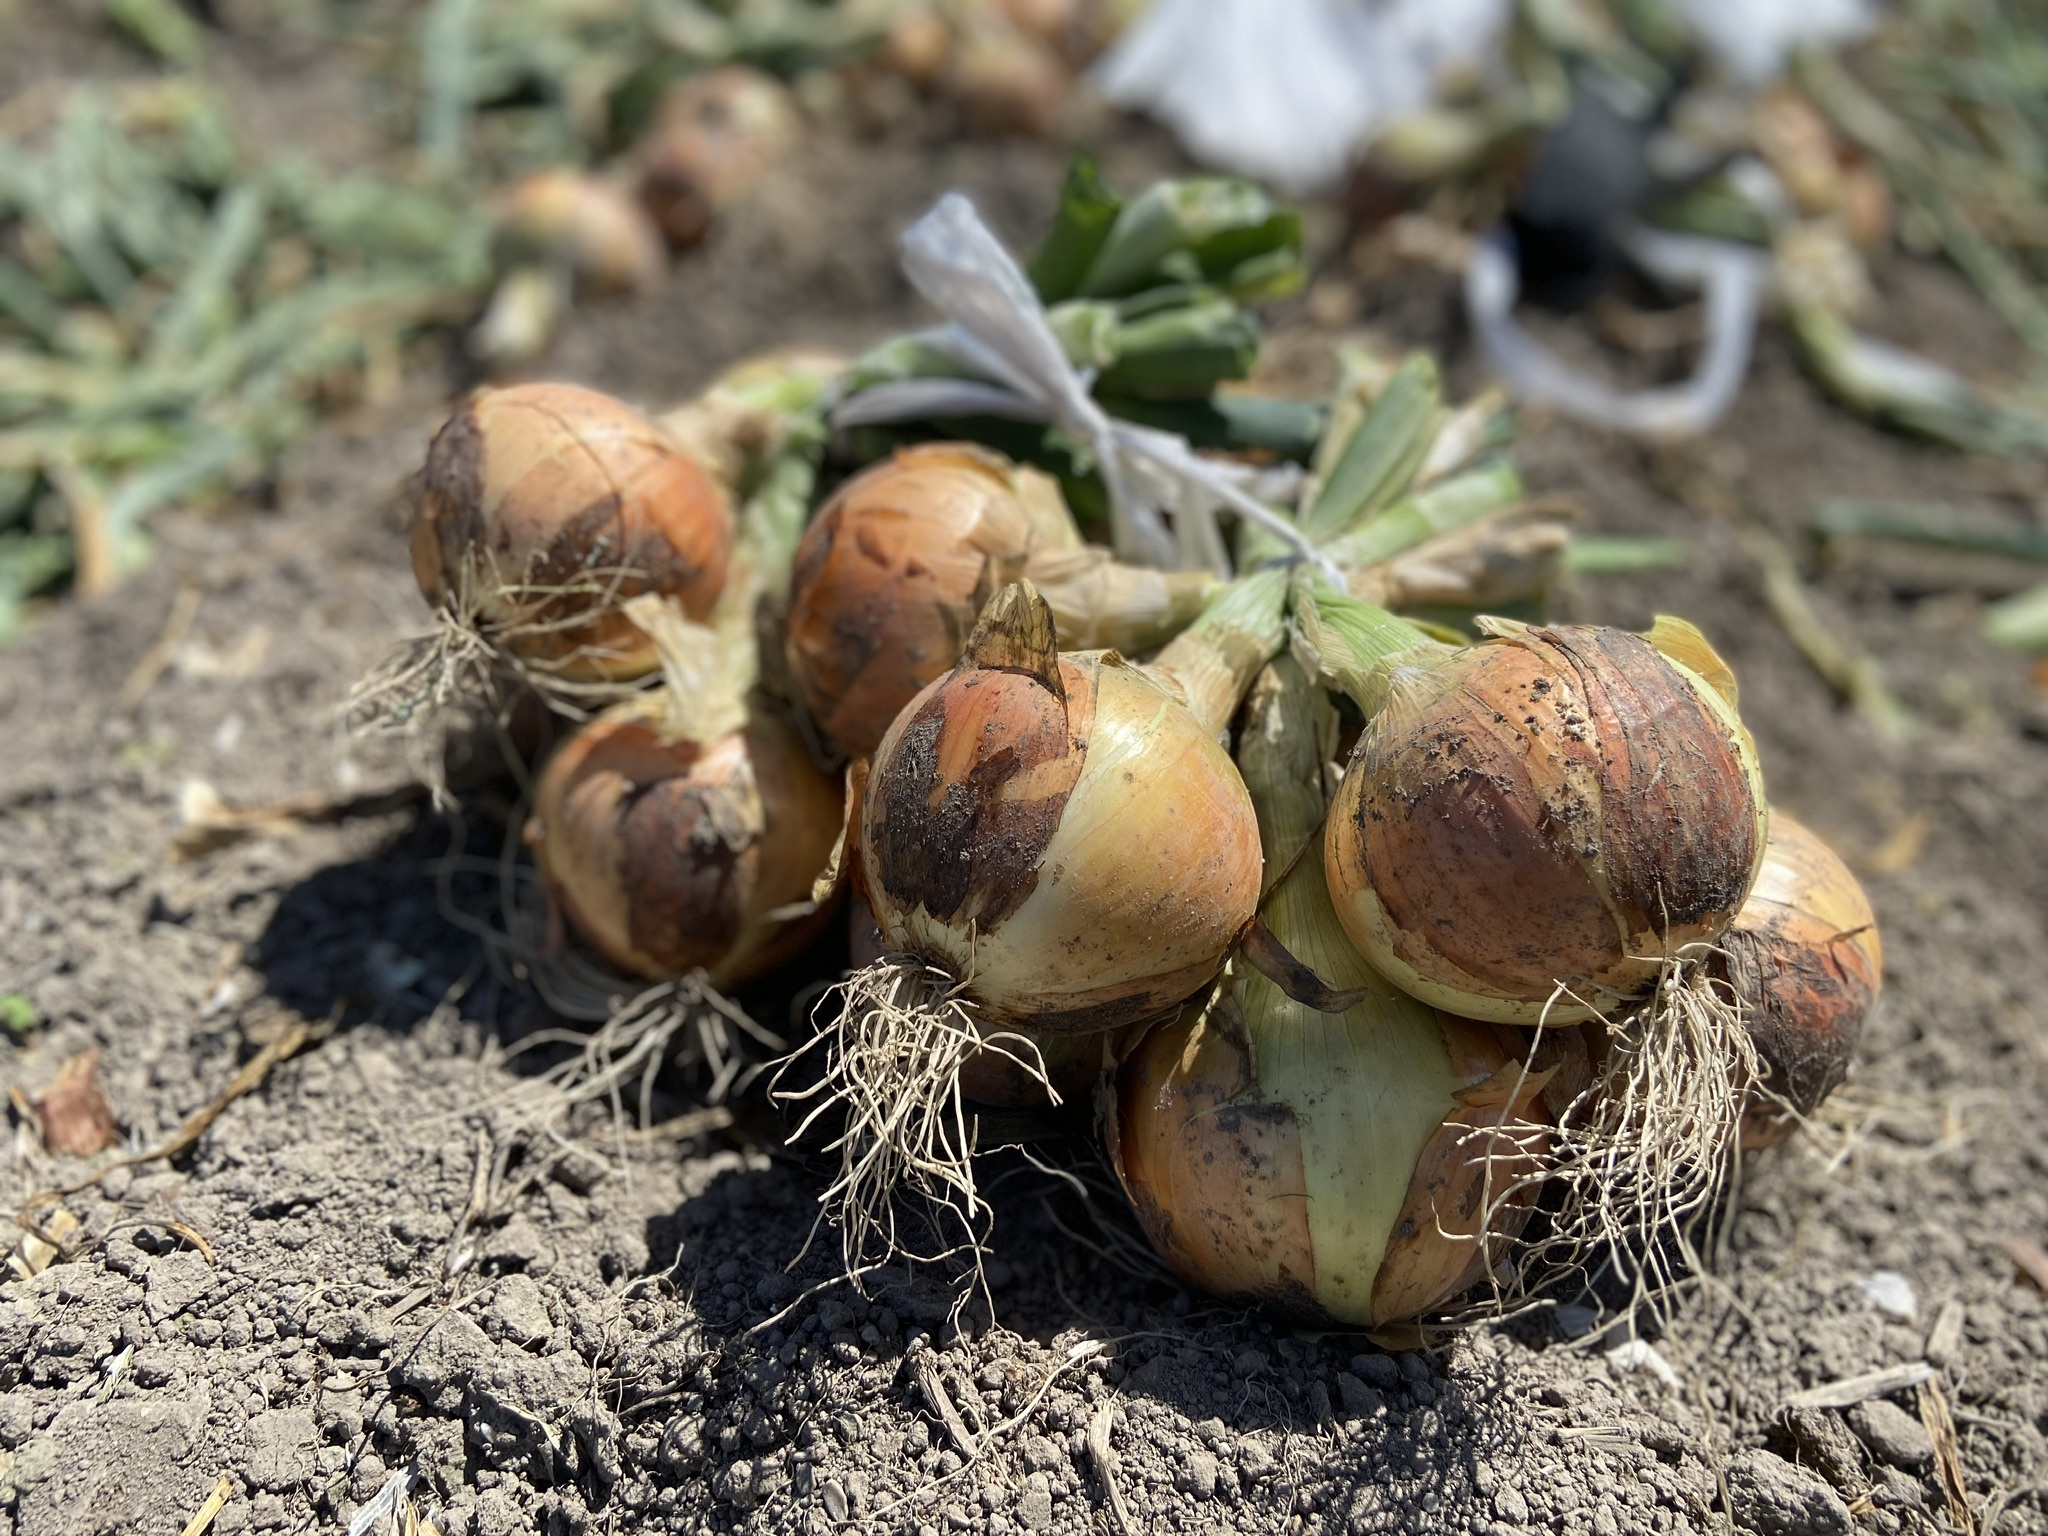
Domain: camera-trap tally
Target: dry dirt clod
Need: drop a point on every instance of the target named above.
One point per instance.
(77, 1120)
(1893, 1435)
(1775, 1498)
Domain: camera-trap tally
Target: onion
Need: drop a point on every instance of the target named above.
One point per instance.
(1805, 962)
(985, 845)
(543, 507)
(588, 225)
(671, 855)
(1050, 846)
(715, 136)
(893, 571)
(1530, 828)
(1341, 1165)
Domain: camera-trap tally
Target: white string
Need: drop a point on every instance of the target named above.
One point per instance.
(999, 331)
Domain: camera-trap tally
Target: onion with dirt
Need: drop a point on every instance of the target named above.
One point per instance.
(714, 138)
(895, 568)
(542, 510)
(1050, 845)
(1532, 827)
(1805, 963)
(671, 855)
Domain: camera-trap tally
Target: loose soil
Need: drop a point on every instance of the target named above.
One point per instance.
(624, 1345)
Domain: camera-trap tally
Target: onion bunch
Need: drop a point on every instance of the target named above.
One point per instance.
(1050, 846)
(895, 568)
(1359, 1167)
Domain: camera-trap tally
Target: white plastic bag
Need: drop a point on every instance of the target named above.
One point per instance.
(1287, 90)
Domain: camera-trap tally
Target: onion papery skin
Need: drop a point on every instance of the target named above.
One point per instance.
(1335, 1165)
(1558, 807)
(543, 507)
(1805, 961)
(889, 579)
(1070, 843)
(667, 855)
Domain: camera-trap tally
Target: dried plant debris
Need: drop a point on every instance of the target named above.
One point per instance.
(76, 1118)
(176, 305)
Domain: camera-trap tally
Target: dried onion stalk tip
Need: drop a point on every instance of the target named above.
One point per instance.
(1805, 962)
(1344, 1166)
(543, 507)
(669, 855)
(1532, 827)
(892, 573)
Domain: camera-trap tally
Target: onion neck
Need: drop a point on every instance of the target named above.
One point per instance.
(1444, 508)
(1370, 1086)
(1101, 602)
(1214, 660)
(1348, 639)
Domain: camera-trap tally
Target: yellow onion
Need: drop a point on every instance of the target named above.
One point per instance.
(669, 855)
(1342, 1165)
(714, 137)
(1805, 962)
(1531, 826)
(892, 573)
(544, 507)
(1006, 79)
(586, 223)
(1058, 832)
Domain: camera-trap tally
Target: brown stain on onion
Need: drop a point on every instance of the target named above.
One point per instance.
(667, 856)
(960, 826)
(1804, 959)
(546, 486)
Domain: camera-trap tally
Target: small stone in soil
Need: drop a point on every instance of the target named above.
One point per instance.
(1893, 1435)
(1380, 1371)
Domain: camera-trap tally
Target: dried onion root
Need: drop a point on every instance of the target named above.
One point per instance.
(1050, 846)
(541, 511)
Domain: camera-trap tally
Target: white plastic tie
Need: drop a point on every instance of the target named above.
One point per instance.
(999, 331)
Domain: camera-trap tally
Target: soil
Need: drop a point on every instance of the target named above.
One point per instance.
(337, 1284)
